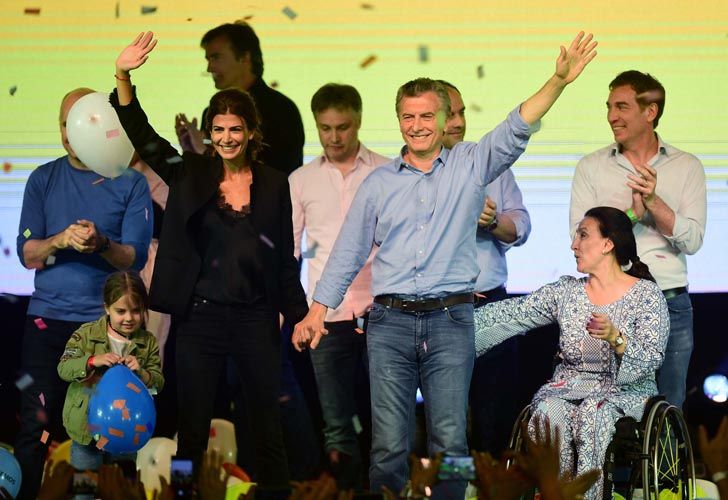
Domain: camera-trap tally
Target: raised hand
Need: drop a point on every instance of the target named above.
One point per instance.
(572, 61)
(136, 53)
(190, 137)
(489, 212)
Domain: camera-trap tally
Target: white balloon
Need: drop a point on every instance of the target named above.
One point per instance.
(97, 137)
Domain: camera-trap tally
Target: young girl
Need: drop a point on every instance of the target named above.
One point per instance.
(116, 338)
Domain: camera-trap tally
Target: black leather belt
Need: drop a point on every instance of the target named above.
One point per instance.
(482, 296)
(424, 304)
(674, 292)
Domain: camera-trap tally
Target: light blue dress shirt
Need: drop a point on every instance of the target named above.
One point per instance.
(423, 223)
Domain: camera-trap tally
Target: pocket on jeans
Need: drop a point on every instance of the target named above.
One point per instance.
(460, 314)
(377, 313)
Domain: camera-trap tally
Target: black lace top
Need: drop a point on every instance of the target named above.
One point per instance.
(232, 265)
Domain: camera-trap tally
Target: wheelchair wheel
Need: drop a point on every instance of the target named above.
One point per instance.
(515, 443)
(668, 469)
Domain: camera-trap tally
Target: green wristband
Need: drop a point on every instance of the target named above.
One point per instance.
(632, 217)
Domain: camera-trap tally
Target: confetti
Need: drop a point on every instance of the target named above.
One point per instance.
(13, 89)
(189, 19)
(136, 439)
(424, 53)
(32, 11)
(140, 428)
(112, 133)
(148, 9)
(133, 387)
(290, 13)
(24, 382)
(116, 432)
(125, 414)
(367, 6)
(6, 251)
(50, 260)
(481, 71)
(101, 442)
(357, 424)
(7, 167)
(273, 84)
(117, 11)
(118, 404)
(174, 159)
(98, 181)
(475, 107)
(213, 432)
(368, 61)
(40, 323)
(267, 241)
(248, 18)
(42, 398)
(44, 437)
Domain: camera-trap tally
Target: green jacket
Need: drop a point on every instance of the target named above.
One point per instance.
(91, 340)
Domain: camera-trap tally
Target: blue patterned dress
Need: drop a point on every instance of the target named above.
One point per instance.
(591, 388)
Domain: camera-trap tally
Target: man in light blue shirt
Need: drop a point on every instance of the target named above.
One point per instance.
(504, 223)
(420, 211)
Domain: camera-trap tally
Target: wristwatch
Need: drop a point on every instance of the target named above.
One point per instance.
(491, 227)
(105, 245)
(619, 340)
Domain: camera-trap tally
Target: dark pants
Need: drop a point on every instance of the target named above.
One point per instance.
(339, 362)
(210, 334)
(493, 394)
(42, 350)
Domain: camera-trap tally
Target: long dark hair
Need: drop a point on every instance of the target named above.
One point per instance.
(615, 225)
(239, 103)
(121, 283)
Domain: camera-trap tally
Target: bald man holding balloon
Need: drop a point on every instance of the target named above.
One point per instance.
(84, 216)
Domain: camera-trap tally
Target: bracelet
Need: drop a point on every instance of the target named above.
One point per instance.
(632, 217)
(719, 476)
(105, 245)
(122, 79)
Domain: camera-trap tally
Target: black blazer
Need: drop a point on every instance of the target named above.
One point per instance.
(193, 180)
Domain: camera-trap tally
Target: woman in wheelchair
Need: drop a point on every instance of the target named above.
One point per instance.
(614, 327)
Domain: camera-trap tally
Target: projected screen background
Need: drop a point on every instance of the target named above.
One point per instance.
(496, 52)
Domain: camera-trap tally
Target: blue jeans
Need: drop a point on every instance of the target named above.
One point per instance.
(436, 349)
(336, 363)
(672, 375)
(88, 457)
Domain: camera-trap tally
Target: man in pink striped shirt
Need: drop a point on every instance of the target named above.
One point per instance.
(321, 193)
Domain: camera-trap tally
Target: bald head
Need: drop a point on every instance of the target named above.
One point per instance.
(66, 104)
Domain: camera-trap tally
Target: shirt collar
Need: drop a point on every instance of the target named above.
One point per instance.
(362, 155)
(440, 160)
(662, 146)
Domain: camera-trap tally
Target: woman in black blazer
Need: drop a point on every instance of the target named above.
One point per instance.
(225, 265)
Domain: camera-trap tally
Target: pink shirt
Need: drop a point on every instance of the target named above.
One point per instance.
(321, 197)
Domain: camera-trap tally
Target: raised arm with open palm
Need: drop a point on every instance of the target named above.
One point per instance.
(133, 56)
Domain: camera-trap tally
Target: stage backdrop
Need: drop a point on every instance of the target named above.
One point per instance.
(496, 52)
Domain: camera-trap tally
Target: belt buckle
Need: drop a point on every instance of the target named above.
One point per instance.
(406, 304)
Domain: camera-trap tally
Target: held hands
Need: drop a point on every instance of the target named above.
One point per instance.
(572, 62)
(136, 53)
(601, 327)
(130, 361)
(489, 213)
(308, 332)
(107, 359)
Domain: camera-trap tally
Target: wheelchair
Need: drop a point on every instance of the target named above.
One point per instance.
(651, 459)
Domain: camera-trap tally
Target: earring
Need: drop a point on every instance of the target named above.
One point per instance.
(604, 252)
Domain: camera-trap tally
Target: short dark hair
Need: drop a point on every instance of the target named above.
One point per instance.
(240, 103)
(647, 88)
(122, 283)
(242, 39)
(615, 225)
(337, 96)
(419, 86)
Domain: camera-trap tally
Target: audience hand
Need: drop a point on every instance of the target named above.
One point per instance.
(165, 490)
(113, 486)
(495, 481)
(212, 484)
(190, 137)
(56, 481)
(136, 53)
(423, 474)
